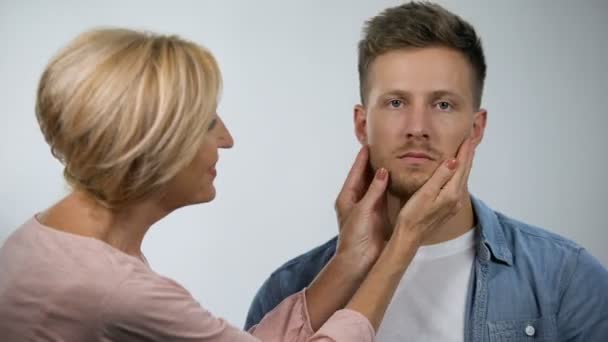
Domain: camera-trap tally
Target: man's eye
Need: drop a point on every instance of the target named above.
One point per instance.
(396, 103)
(444, 105)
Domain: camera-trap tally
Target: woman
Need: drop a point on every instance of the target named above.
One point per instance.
(132, 116)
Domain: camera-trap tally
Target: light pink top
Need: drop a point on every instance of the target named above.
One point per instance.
(56, 286)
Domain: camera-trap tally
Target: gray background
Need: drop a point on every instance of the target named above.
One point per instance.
(290, 85)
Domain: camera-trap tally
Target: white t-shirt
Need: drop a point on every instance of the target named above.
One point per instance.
(429, 303)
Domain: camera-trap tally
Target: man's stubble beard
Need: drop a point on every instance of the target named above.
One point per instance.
(404, 185)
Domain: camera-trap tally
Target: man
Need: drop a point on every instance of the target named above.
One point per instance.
(482, 276)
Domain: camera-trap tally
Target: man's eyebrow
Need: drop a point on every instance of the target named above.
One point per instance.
(395, 92)
(442, 93)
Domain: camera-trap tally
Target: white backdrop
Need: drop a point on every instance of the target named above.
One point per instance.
(290, 85)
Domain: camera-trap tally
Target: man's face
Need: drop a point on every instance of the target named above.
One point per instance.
(419, 110)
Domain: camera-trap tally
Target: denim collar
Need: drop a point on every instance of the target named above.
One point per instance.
(490, 233)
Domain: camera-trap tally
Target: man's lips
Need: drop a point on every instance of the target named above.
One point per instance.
(415, 156)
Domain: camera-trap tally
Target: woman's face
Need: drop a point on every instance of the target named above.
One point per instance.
(194, 184)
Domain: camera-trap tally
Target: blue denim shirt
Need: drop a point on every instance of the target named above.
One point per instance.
(528, 284)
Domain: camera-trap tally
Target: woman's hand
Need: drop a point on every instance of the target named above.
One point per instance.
(362, 217)
(438, 200)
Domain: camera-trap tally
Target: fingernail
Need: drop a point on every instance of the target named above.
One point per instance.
(452, 163)
(381, 173)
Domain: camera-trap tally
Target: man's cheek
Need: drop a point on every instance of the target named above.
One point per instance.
(377, 159)
(461, 140)
(374, 160)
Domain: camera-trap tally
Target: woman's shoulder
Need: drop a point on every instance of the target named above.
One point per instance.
(39, 259)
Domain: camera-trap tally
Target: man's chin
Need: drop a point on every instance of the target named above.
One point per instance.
(402, 191)
(405, 186)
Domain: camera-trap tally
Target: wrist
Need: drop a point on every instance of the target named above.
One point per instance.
(408, 237)
(353, 264)
(402, 247)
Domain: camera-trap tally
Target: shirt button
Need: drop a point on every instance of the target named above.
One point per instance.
(530, 330)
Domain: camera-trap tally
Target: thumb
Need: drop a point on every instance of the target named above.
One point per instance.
(376, 189)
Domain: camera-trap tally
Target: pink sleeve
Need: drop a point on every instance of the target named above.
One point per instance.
(289, 321)
(159, 309)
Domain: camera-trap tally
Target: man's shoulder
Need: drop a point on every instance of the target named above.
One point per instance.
(308, 264)
(510, 238)
(549, 258)
(521, 234)
(546, 276)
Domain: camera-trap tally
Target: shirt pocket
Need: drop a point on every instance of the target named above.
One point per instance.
(528, 330)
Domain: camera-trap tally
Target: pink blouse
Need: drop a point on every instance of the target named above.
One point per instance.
(56, 286)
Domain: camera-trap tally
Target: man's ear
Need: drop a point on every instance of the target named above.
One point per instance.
(479, 126)
(360, 121)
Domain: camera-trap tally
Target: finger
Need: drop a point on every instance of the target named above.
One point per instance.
(376, 190)
(454, 186)
(426, 207)
(442, 175)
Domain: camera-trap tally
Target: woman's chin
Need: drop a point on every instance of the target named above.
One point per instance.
(206, 196)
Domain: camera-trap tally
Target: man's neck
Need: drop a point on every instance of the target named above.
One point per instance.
(461, 223)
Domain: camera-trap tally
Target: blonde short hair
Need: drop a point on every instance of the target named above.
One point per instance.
(125, 111)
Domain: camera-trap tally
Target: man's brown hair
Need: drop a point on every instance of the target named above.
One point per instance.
(419, 25)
